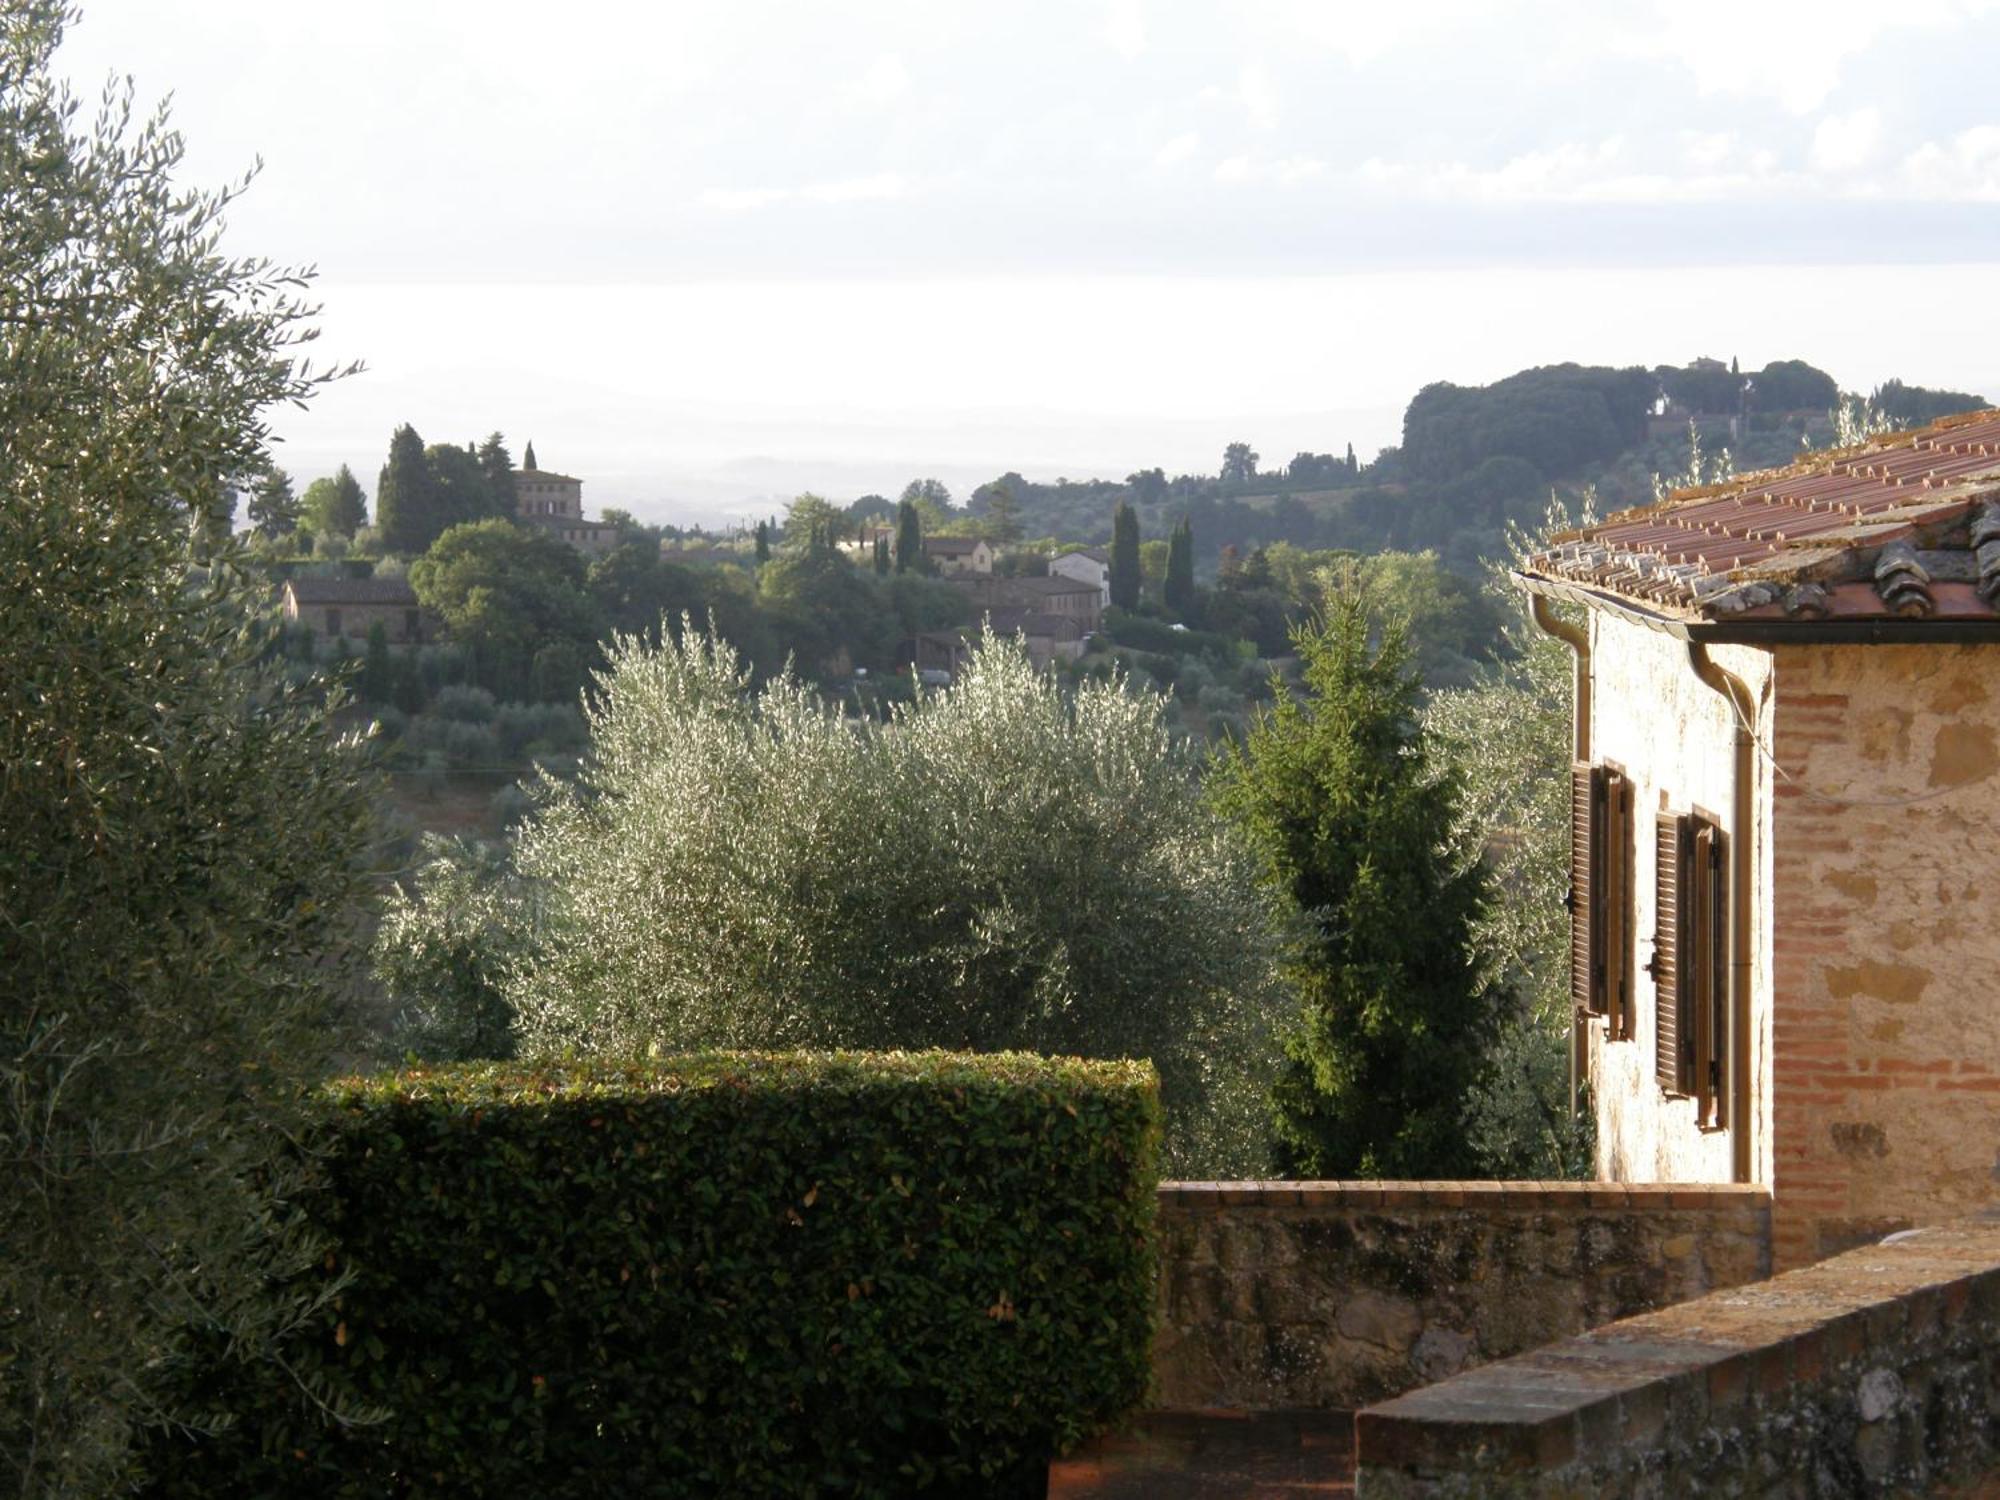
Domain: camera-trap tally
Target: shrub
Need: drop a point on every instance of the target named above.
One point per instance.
(466, 704)
(727, 1275)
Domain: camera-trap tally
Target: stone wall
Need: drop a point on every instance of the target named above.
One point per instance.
(1887, 835)
(1292, 1295)
(1874, 1373)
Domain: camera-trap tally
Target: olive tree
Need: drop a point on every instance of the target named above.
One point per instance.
(1000, 866)
(181, 833)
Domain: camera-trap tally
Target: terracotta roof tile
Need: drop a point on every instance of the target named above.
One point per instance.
(1732, 549)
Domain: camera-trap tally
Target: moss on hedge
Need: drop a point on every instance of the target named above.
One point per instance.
(732, 1274)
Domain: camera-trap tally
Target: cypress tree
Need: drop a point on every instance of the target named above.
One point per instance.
(1355, 827)
(1179, 587)
(497, 465)
(763, 541)
(377, 676)
(528, 457)
(881, 556)
(909, 539)
(1125, 556)
(404, 510)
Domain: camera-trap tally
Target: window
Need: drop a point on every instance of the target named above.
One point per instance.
(1690, 965)
(1600, 896)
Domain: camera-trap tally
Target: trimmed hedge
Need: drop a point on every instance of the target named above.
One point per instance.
(735, 1274)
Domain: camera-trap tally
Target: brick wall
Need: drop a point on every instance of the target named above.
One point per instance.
(1885, 1055)
(1289, 1295)
(1869, 1374)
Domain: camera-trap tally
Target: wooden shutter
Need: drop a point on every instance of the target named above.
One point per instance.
(1614, 896)
(1583, 903)
(1710, 989)
(1673, 1051)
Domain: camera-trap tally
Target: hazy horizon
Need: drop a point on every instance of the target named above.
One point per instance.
(707, 255)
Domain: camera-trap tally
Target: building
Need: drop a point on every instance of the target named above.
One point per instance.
(1086, 565)
(1049, 637)
(953, 555)
(354, 606)
(1785, 827)
(553, 504)
(1074, 598)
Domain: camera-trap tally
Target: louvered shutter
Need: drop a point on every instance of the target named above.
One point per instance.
(1583, 905)
(1711, 984)
(1614, 862)
(1673, 1058)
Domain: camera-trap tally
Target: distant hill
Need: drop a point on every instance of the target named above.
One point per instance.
(1475, 459)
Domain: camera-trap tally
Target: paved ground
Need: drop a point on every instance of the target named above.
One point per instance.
(1209, 1455)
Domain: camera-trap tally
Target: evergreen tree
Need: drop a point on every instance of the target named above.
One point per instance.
(460, 488)
(1179, 587)
(404, 512)
(274, 510)
(882, 557)
(377, 675)
(1353, 463)
(528, 457)
(498, 467)
(763, 541)
(909, 538)
(1356, 828)
(1125, 556)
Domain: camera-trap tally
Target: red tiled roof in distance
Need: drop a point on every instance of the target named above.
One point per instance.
(1745, 547)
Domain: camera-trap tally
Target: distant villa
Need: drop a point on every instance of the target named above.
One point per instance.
(553, 503)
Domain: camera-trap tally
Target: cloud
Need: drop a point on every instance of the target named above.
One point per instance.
(1177, 150)
(1847, 143)
(882, 84)
(878, 187)
(1965, 169)
(1124, 28)
(1606, 171)
(1792, 51)
(1285, 172)
(1258, 96)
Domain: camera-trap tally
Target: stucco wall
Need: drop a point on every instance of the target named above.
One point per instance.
(1674, 738)
(1887, 855)
(1330, 1295)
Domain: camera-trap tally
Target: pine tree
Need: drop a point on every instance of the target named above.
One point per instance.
(498, 467)
(1125, 556)
(404, 509)
(1355, 825)
(274, 510)
(1178, 591)
(909, 539)
(334, 507)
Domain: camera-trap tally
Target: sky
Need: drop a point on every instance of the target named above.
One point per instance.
(707, 255)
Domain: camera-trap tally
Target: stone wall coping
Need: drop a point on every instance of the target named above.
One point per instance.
(1484, 1196)
(1619, 1385)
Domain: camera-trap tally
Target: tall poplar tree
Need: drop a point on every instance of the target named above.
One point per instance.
(1356, 826)
(1125, 576)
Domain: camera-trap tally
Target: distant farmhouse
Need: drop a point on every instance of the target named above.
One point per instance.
(553, 504)
(955, 556)
(1085, 565)
(354, 606)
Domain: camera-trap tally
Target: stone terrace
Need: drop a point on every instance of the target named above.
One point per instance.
(1874, 1373)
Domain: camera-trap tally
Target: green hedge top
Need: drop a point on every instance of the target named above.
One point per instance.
(729, 1274)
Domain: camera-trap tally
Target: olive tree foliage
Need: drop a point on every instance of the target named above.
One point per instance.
(1000, 866)
(447, 948)
(180, 834)
(1508, 736)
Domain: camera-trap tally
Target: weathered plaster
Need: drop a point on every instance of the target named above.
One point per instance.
(1674, 738)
